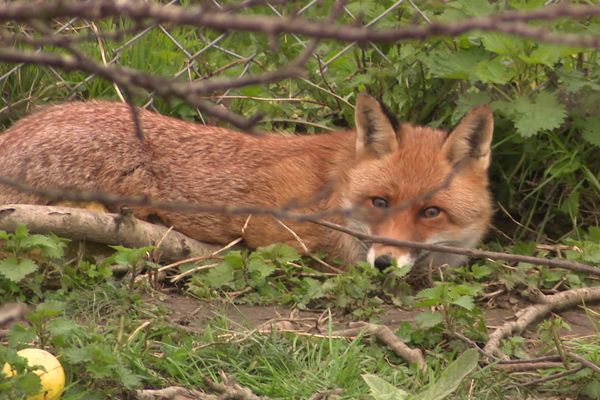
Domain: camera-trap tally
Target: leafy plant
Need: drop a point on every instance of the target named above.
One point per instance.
(449, 380)
(22, 254)
(455, 307)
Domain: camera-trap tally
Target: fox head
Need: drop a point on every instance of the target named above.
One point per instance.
(420, 184)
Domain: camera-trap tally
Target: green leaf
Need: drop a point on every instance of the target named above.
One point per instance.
(573, 81)
(21, 232)
(477, 8)
(497, 70)
(592, 389)
(29, 383)
(16, 270)
(451, 377)
(594, 233)
(258, 269)
(570, 204)
(590, 129)
(382, 390)
(62, 326)
(502, 44)
(524, 248)
(235, 259)
(18, 335)
(367, 9)
(454, 65)
(466, 101)
(591, 252)
(542, 113)
(45, 311)
(127, 256)
(428, 319)
(544, 54)
(221, 275)
(127, 377)
(77, 355)
(52, 246)
(279, 252)
(465, 302)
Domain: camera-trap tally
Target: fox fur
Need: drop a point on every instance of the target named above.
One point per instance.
(380, 166)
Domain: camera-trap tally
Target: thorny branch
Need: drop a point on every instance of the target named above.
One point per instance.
(145, 14)
(510, 22)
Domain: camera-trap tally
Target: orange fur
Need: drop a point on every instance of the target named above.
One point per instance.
(92, 145)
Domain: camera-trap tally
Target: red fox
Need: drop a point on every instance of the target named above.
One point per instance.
(380, 166)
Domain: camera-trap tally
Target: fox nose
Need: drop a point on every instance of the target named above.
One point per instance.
(382, 262)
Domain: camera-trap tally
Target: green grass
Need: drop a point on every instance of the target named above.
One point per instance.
(545, 97)
(113, 338)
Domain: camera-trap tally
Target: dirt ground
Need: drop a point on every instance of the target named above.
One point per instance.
(193, 313)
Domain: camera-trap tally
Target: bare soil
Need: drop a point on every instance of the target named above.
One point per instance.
(193, 313)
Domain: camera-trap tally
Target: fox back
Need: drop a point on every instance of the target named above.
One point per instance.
(396, 180)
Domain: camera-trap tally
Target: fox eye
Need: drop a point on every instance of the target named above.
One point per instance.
(379, 202)
(430, 212)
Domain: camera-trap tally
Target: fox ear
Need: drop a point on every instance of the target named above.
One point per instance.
(375, 128)
(471, 140)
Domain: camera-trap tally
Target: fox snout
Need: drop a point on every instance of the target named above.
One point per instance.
(382, 257)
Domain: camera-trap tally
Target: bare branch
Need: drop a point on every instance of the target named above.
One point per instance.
(510, 22)
(528, 315)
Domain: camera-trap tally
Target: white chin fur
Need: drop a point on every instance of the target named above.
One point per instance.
(371, 257)
(405, 260)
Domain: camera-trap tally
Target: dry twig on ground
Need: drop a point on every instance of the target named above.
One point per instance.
(528, 315)
(387, 337)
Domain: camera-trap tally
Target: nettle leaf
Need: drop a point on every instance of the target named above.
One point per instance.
(258, 268)
(29, 383)
(477, 8)
(542, 113)
(465, 302)
(15, 269)
(428, 319)
(127, 377)
(594, 233)
(382, 390)
(21, 232)
(544, 54)
(19, 335)
(234, 258)
(221, 275)
(590, 129)
(591, 252)
(573, 80)
(592, 389)
(570, 204)
(502, 44)
(279, 252)
(52, 246)
(63, 326)
(368, 9)
(454, 65)
(128, 256)
(77, 355)
(498, 70)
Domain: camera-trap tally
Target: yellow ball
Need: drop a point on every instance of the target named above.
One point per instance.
(52, 380)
